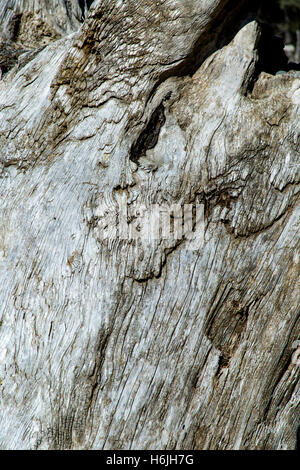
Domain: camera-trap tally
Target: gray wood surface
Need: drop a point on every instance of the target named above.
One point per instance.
(147, 343)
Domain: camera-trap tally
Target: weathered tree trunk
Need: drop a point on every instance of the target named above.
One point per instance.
(135, 343)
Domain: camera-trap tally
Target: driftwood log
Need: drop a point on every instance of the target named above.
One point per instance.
(110, 342)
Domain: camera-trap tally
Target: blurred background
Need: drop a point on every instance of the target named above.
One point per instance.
(284, 17)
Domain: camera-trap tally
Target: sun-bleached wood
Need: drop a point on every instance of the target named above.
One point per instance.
(135, 345)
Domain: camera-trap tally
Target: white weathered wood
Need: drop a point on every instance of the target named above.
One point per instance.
(37, 22)
(135, 345)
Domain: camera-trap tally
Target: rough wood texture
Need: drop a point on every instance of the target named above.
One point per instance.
(27, 25)
(37, 22)
(135, 345)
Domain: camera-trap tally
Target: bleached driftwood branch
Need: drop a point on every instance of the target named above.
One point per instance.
(144, 344)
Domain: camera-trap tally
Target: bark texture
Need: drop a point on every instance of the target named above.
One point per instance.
(128, 344)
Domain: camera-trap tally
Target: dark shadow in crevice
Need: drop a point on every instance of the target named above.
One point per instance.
(84, 7)
(271, 56)
(270, 52)
(149, 136)
(14, 27)
(9, 57)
